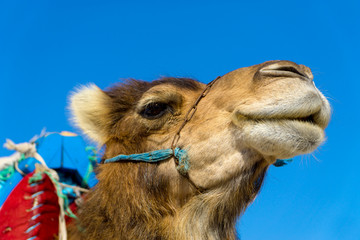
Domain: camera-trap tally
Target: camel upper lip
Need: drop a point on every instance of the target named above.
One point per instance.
(309, 119)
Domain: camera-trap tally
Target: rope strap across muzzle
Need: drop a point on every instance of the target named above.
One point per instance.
(157, 156)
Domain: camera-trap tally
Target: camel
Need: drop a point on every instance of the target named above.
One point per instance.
(249, 118)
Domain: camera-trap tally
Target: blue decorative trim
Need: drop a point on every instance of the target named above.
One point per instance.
(35, 207)
(35, 216)
(37, 194)
(32, 238)
(35, 184)
(32, 228)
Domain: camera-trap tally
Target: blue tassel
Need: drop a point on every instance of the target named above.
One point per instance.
(282, 162)
(184, 165)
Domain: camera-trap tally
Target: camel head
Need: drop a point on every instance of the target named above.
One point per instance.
(250, 117)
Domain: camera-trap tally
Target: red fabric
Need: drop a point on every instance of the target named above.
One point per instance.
(73, 207)
(20, 207)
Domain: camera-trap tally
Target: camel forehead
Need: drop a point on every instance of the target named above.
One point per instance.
(139, 89)
(163, 89)
(165, 93)
(182, 83)
(161, 93)
(132, 90)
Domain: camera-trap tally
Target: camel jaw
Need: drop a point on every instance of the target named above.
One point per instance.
(283, 137)
(285, 134)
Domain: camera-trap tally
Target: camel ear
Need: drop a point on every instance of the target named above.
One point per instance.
(89, 106)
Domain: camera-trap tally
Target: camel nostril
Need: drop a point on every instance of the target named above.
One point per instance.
(290, 69)
(284, 69)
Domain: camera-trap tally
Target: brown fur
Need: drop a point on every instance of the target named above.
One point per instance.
(236, 133)
(140, 206)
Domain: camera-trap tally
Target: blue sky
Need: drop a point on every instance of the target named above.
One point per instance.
(47, 48)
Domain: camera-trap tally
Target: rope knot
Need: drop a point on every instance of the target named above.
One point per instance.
(26, 147)
(183, 165)
(22, 150)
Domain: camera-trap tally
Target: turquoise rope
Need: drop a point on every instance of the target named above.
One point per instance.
(157, 156)
(92, 163)
(8, 172)
(150, 157)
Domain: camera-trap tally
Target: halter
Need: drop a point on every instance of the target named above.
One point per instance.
(181, 157)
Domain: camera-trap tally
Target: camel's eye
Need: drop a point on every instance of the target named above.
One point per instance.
(154, 110)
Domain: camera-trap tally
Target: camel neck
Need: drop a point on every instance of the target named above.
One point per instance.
(139, 208)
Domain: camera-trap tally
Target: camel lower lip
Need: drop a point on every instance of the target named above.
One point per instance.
(300, 121)
(304, 120)
(283, 138)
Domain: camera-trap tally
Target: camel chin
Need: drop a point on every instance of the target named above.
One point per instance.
(283, 139)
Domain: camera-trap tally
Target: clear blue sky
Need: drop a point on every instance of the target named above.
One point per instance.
(49, 47)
